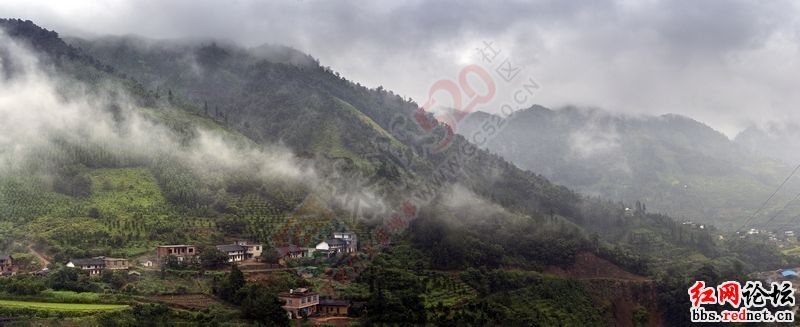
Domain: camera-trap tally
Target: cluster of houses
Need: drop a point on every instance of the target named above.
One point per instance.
(237, 252)
(298, 302)
(341, 242)
(774, 236)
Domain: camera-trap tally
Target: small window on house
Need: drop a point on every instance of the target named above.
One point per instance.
(191, 250)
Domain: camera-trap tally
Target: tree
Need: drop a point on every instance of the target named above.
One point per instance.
(171, 262)
(72, 181)
(270, 256)
(70, 279)
(22, 285)
(112, 278)
(262, 306)
(151, 314)
(236, 278)
(94, 213)
(231, 225)
(211, 257)
(228, 288)
(106, 275)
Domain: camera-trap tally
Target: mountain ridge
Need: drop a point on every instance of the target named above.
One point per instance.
(650, 159)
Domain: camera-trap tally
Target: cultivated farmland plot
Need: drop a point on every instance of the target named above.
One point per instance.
(71, 307)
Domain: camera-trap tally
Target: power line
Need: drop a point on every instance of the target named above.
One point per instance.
(788, 223)
(796, 197)
(746, 222)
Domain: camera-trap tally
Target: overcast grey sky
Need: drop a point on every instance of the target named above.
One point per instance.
(724, 62)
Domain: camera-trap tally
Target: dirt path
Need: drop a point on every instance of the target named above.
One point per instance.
(42, 259)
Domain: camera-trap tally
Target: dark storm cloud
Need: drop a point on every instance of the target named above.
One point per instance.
(727, 63)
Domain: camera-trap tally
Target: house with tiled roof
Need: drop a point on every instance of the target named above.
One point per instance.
(350, 238)
(332, 246)
(334, 307)
(94, 266)
(299, 302)
(252, 250)
(235, 252)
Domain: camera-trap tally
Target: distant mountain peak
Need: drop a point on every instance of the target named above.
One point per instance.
(46, 42)
(37, 37)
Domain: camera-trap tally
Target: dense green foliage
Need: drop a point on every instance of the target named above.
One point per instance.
(260, 305)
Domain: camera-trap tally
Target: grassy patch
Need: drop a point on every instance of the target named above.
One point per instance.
(71, 297)
(447, 290)
(150, 284)
(123, 193)
(368, 122)
(68, 307)
(795, 251)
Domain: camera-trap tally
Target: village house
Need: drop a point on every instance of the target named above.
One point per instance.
(116, 263)
(299, 302)
(179, 251)
(350, 238)
(7, 264)
(334, 307)
(332, 246)
(236, 253)
(294, 252)
(94, 266)
(251, 250)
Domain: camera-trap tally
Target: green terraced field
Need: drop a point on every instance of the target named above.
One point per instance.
(70, 307)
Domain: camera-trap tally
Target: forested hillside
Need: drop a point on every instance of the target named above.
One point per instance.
(150, 143)
(673, 164)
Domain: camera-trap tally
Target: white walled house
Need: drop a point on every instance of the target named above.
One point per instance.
(236, 253)
(252, 250)
(323, 246)
(94, 266)
(350, 238)
(332, 246)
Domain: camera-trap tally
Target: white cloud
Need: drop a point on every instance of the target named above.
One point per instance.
(34, 113)
(727, 63)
